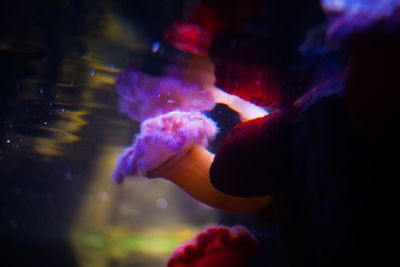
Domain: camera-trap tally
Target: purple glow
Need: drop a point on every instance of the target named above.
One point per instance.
(161, 138)
(351, 7)
(352, 18)
(144, 96)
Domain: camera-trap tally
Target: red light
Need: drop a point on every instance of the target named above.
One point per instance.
(188, 37)
(255, 83)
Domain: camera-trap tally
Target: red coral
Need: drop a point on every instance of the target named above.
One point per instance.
(216, 246)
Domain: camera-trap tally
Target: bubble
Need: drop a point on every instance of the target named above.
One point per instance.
(68, 175)
(103, 196)
(162, 203)
(155, 46)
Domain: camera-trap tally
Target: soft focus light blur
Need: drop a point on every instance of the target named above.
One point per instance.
(64, 125)
(188, 37)
(139, 221)
(378, 7)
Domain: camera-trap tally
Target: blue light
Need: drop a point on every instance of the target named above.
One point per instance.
(155, 46)
(377, 7)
